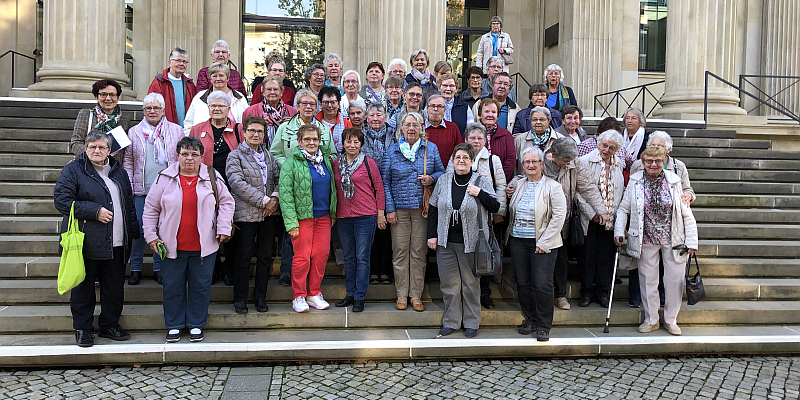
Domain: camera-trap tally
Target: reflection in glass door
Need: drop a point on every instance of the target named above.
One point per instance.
(460, 49)
(299, 46)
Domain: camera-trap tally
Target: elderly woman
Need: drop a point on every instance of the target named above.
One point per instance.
(272, 109)
(96, 187)
(373, 91)
(394, 96)
(496, 66)
(607, 124)
(419, 72)
(659, 226)
(407, 168)
(253, 177)
(285, 139)
(456, 111)
(188, 213)
(538, 209)
(451, 209)
(559, 95)
(315, 79)
(275, 67)
(333, 71)
(541, 134)
(104, 116)
(220, 53)
(351, 82)
(398, 68)
(538, 95)
(498, 139)
(494, 43)
(357, 114)
(635, 137)
(473, 93)
(308, 204)
(663, 140)
(572, 117)
(331, 118)
(360, 207)
(441, 68)
(604, 170)
(199, 110)
(152, 143)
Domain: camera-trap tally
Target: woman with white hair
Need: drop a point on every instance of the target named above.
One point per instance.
(398, 68)
(153, 142)
(559, 95)
(220, 53)
(219, 74)
(351, 82)
(494, 43)
(333, 71)
(357, 113)
(604, 169)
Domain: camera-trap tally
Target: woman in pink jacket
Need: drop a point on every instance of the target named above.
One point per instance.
(187, 214)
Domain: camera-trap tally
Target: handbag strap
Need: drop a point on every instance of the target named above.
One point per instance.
(212, 176)
(425, 161)
(689, 264)
(480, 208)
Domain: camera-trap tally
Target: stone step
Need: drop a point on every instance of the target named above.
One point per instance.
(28, 207)
(25, 245)
(37, 123)
(775, 232)
(711, 187)
(738, 163)
(749, 267)
(743, 154)
(30, 225)
(744, 175)
(51, 104)
(25, 160)
(137, 318)
(22, 174)
(745, 215)
(52, 135)
(746, 201)
(722, 143)
(749, 248)
(27, 190)
(35, 146)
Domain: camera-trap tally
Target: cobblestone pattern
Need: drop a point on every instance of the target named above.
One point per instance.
(689, 378)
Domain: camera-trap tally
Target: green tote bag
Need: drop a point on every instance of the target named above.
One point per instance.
(71, 271)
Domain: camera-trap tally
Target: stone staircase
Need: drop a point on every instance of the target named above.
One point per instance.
(747, 208)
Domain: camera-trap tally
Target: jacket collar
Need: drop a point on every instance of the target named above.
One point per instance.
(87, 164)
(245, 148)
(173, 171)
(164, 76)
(204, 96)
(326, 152)
(594, 157)
(671, 177)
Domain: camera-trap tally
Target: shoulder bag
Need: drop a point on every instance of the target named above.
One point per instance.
(212, 176)
(576, 236)
(71, 269)
(488, 257)
(695, 291)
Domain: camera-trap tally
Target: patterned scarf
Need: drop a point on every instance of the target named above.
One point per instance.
(374, 141)
(563, 98)
(274, 118)
(409, 152)
(392, 111)
(347, 170)
(607, 187)
(424, 79)
(541, 141)
(315, 160)
(105, 122)
(489, 132)
(157, 140)
(261, 160)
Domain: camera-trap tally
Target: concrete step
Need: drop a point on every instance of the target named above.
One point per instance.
(22, 174)
(698, 133)
(745, 187)
(25, 160)
(53, 135)
(738, 163)
(744, 154)
(37, 123)
(35, 146)
(749, 248)
(743, 175)
(24, 245)
(30, 225)
(28, 207)
(745, 215)
(749, 267)
(721, 143)
(27, 190)
(746, 201)
(774, 232)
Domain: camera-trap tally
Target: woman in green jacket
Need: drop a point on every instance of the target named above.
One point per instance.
(285, 140)
(307, 195)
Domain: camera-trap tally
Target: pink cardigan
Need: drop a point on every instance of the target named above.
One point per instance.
(162, 211)
(363, 201)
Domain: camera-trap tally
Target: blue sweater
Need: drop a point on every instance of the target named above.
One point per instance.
(320, 190)
(403, 189)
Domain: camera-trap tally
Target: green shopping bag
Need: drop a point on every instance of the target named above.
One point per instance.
(71, 271)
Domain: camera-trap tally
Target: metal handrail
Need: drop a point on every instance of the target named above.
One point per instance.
(783, 110)
(743, 79)
(618, 95)
(13, 63)
(516, 77)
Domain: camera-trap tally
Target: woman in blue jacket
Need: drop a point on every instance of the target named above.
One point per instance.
(408, 166)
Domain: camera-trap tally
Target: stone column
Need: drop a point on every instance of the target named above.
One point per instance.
(780, 46)
(83, 42)
(711, 45)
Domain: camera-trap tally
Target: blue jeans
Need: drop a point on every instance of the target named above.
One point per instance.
(184, 308)
(356, 235)
(287, 253)
(137, 251)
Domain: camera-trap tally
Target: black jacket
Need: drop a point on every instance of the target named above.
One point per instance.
(80, 182)
(459, 114)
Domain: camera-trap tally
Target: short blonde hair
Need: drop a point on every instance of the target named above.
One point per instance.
(303, 93)
(219, 67)
(654, 151)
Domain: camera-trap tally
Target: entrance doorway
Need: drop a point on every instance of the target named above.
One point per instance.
(467, 20)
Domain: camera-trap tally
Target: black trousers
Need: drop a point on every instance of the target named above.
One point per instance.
(221, 267)
(600, 249)
(263, 234)
(381, 256)
(534, 273)
(488, 279)
(111, 274)
(562, 272)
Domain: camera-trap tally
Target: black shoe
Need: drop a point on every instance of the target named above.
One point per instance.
(114, 333)
(285, 280)
(173, 337)
(634, 302)
(526, 328)
(374, 281)
(347, 301)
(240, 307)
(196, 337)
(136, 277)
(84, 338)
(618, 280)
(228, 278)
(358, 306)
(585, 301)
(486, 302)
(446, 331)
(469, 332)
(542, 336)
(157, 277)
(387, 280)
(261, 305)
(603, 301)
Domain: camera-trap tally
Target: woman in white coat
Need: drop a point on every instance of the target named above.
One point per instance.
(199, 112)
(494, 43)
(660, 225)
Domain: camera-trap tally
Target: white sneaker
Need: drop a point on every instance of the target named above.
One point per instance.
(673, 329)
(317, 302)
(647, 328)
(299, 304)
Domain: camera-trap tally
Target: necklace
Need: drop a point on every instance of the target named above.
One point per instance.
(189, 182)
(458, 184)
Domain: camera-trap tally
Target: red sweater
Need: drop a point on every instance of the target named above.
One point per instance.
(363, 201)
(445, 136)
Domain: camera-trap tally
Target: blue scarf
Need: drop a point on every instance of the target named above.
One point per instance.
(495, 37)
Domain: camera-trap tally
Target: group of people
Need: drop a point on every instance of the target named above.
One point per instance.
(383, 171)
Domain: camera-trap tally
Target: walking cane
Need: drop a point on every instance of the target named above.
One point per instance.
(611, 296)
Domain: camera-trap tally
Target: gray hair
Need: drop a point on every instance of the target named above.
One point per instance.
(564, 147)
(276, 61)
(310, 70)
(357, 103)
(474, 126)
(417, 116)
(553, 67)
(218, 94)
(221, 43)
(418, 52)
(638, 113)
(542, 110)
(151, 97)
(496, 18)
(272, 78)
(399, 61)
(177, 52)
(663, 135)
(496, 59)
(333, 56)
(352, 71)
(219, 67)
(534, 150)
(611, 136)
(376, 106)
(96, 135)
(434, 97)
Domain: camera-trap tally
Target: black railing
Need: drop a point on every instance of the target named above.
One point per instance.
(743, 79)
(516, 77)
(14, 64)
(642, 92)
(777, 106)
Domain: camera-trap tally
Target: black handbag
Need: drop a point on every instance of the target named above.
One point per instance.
(488, 256)
(576, 235)
(695, 291)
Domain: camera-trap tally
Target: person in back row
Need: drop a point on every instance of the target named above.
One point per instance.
(177, 89)
(220, 53)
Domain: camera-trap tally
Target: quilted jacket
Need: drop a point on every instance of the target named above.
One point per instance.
(286, 138)
(295, 189)
(403, 189)
(247, 183)
(135, 159)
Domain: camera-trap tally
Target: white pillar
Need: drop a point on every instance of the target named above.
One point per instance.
(780, 49)
(701, 35)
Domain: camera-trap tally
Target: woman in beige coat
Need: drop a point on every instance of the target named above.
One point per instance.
(538, 208)
(494, 43)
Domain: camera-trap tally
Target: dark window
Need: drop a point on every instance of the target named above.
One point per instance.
(652, 35)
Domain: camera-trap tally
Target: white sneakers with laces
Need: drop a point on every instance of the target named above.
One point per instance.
(317, 302)
(299, 304)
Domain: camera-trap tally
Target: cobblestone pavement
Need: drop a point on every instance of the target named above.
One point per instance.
(641, 378)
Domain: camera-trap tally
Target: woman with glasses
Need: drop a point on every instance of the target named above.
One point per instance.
(104, 116)
(285, 139)
(473, 93)
(272, 107)
(541, 134)
(394, 96)
(220, 53)
(199, 111)
(277, 68)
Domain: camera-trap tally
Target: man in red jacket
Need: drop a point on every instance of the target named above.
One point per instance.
(173, 81)
(221, 52)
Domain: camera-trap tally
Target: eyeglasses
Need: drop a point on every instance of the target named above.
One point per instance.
(307, 104)
(539, 95)
(410, 125)
(656, 161)
(95, 148)
(436, 106)
(151, 109)
(220, 52)
(216, 107)
(529, 162)
(475, 78)
(318, 75)
(393, 88)
(461, 158)
(409, 94)
(180, 61)
(505, 85)
(254, 131)
(539, 120)
(447, 86)
(107, 95)
(276, 70)
(310, 139)
(184, 154)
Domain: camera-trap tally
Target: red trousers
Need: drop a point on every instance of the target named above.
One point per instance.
(311, 250)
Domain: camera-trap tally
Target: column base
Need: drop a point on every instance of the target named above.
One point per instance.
(127, 94)
(689, 104)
